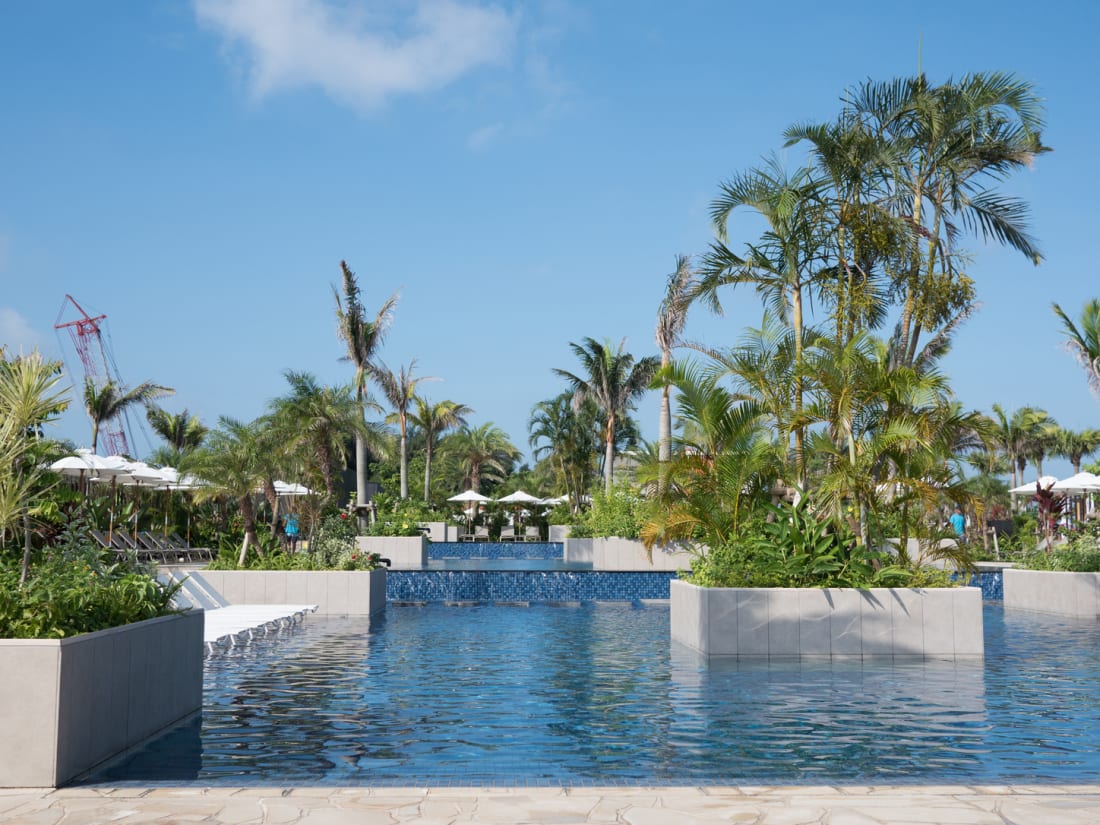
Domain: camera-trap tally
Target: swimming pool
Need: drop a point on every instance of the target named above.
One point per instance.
(595, 695)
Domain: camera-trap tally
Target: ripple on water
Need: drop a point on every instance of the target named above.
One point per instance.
(591, 695)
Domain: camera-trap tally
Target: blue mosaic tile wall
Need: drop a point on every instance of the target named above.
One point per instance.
(991, 582)
(524, 585)
(495, 550)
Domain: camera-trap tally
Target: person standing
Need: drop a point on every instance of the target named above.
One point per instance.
(292, 532)
(958, 524)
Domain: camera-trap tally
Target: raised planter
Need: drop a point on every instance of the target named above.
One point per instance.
(68, 704)
(771, 622)
(625, 555)
(404, 552)
(1052, 591)
(335, 592)
(559, 532)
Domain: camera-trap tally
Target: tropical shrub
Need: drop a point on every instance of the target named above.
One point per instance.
(399, 517)
(332, 547)
(1080, 555)
(77, 588)
(617, 513)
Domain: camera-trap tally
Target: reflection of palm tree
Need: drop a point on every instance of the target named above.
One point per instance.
(363, 338)
(183, 431)
(1084, 341)
(109, 401)
(613, 380)
(434, 420)
(484, 453)
(399, 389)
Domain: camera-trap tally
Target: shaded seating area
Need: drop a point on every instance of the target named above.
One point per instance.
(479, 534)
(148, 546)
(507, 534)
(532, 534)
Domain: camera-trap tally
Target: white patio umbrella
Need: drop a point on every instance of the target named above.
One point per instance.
(284, 488)
(470, 495)
(1082, 482)
(1029, 489)
(518, 499)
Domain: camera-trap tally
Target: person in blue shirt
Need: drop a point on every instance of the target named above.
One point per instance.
(291, 531)
(958, 523)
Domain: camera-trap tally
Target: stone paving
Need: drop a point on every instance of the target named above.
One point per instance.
(949, 805)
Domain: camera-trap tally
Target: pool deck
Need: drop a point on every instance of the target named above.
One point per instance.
(880, 805)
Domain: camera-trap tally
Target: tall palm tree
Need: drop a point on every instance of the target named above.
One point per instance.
(183, 431)
(234, 462)
(399, 389)
(433, 420)
(362, 337)
(613, 379)
(484, 453)
(671, 318)
(1015, 435)
(1075, 445)
(109, 401)
(1084, 341)
(947, 143)
(318, 421)
(568, 438)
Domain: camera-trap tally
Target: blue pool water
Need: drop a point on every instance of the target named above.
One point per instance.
(595, 694)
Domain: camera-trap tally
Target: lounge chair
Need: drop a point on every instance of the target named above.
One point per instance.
(532, 534)
(481, 534)
(507, 534)
(465, 536)
(202, 553)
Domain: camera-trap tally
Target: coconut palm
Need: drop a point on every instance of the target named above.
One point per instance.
(183, 432)
(109, 401)
(1015, 435)
(317, 421)
(433, 420)
(399, 390)
(363, 338)
(1076, 445)
(612, 379)
(1084, 341)
(567, 436)
(671, 318)
(484, 453)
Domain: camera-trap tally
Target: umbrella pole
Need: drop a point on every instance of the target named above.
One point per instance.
(111, 510)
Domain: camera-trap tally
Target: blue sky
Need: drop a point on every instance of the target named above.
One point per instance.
(524, 172)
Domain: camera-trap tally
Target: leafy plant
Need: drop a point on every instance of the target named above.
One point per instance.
(617, 513)
(398, 517)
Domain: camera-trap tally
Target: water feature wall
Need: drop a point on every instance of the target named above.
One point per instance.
(439, 550)
(525, 586)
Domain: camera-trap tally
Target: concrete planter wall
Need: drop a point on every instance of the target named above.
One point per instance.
(625, 555)
(1049, 591)
(440, 531)
(559, 532)
(335, 592)
(68, 704)
(770, 622)
(404, 552)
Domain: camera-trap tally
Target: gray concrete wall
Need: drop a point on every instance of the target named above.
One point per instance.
(559, 532)
(773, 622)
(404, 552)
(577, 551)
(629, 554)
(68, 704)
(1047, 591)
(335, 592)
(440, 530)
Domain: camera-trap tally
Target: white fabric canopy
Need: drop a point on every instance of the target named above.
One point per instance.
(1029, 489)
(469, 495)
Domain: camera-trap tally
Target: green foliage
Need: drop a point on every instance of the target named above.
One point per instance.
(618, 513)
(399, 517)
(561, 514)
(76, 589)
(1080, 555)
(333, 547)
(801, 549)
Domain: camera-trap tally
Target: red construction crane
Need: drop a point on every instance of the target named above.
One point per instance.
(99, 367)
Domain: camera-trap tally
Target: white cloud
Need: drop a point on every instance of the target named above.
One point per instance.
(16, 333)
(357, 55)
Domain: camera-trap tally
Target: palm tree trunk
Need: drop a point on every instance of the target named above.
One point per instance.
(404, 463)
(800, 430)
(428, 473)
(609, 455)
(664, 428)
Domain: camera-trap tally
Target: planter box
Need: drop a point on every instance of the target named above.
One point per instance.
(772, 622)
(578, 551)
(404, 552)
(1049, 591)
(441, 531)
(68, 704)
(559, 532)
(335, 592)
(629, 555)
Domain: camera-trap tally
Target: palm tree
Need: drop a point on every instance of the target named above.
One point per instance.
(1084, 341)
(109, 401)
(29, 397)
(362, 337)
(399, 389)
(671, 318)
(568, 438)
(484, 453)
(613, 380)
(946, 142)
(318, 421)
(1076, 445)
(1015, 435)
(234, 462)
(183, 431)
(433, 420)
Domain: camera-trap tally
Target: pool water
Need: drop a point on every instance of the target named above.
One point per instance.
(597, 695)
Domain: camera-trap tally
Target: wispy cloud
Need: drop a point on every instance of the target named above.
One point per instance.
(358, 56)
(16, 332)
